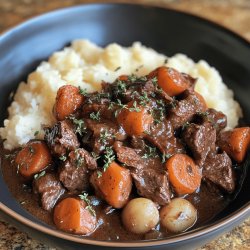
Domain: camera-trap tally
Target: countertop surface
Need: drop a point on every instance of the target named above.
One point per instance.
(233, 14)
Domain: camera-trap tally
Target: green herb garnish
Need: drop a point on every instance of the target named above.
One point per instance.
(85, 198)
(37, 176)
(109, 157)
(95, 116)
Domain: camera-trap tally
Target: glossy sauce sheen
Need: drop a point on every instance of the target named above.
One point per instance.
(110, 226)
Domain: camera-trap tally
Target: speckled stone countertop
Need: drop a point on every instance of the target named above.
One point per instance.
(234, 14)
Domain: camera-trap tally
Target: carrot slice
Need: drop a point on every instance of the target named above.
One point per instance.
(114, 185)
(123, 78)
(68, 100)
(236, 142)
(170, 80)
(184, 174)
(71, 215)
(135, 121)
(33, 158)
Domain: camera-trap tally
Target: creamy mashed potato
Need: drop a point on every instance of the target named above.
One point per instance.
(86, 65)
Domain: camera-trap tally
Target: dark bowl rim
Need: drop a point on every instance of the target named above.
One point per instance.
(228, 220)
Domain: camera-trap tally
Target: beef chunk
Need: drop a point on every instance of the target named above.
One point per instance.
(162, 136)
(104, 133)
(201, 140)
(185, 109)
(61, 138)
(217, 118)
(103, 108)
(75, 172)
(50, 190)
(128, 156)
(152, 183)
(218, 169)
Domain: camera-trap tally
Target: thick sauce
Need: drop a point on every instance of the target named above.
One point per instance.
(110, 226)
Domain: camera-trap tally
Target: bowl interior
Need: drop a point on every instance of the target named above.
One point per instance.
(167, 31)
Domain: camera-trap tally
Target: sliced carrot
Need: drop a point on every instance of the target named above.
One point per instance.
(114, 185)
(68, 100)
(123, 78)
(135, 122)
(71, 215)
(236, 142)
(184, 174)
(171, 81)
(33, 158)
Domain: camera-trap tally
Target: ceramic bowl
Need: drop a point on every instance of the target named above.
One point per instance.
(25, 46)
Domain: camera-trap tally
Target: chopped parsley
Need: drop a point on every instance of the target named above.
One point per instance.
(37, 176)
(85, 198)
(95, 115)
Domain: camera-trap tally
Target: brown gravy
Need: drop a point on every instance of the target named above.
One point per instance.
(110, 226)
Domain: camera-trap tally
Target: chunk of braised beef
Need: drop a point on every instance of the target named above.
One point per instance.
(217, 118)
(128, 156)
(218, 169)
(104, 133)
(50, 190)
(61, 138)
(105, 110)
(75, 172)
(162, 136)
(152, 182)
(184, 111)
(200, 139)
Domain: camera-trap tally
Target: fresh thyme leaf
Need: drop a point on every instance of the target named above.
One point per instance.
(165, 157)
(144, 99)
(151, 152)
(118, 68)
(95, 156)
(63, 158)
(104, 136)
(8, 156)
(95, 116)
(31, 149)
(166, 61)
(109, 157)
(80, 125)
(205, 114)
(79, 160)
(119, 87)
(37, 176)
(154, 80)
(83, 92)
(137, 69)
(132, 78)
(22, 202)
(85, 198)
(134, 108)
(99, 174)
(36, 133)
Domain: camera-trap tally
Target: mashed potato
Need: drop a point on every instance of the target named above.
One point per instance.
(86, 65)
